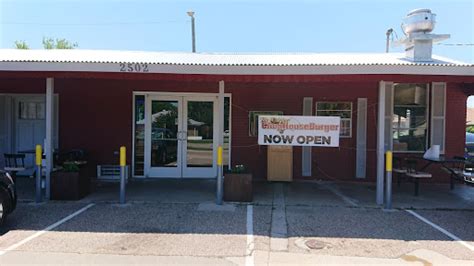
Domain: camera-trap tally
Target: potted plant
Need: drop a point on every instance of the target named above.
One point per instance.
(238, 184)
(70, 181)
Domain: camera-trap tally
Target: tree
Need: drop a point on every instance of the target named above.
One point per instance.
(21, 45)
(50, 43)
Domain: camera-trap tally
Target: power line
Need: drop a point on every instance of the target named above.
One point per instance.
(456, 44)
(93, 24)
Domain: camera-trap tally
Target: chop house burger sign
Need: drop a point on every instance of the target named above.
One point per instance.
(322, 131)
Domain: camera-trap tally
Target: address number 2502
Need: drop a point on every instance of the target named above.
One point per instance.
(133, 67)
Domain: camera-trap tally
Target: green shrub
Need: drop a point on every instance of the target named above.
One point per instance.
(238, 169)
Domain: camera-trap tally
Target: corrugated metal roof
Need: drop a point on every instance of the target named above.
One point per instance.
(218, 59)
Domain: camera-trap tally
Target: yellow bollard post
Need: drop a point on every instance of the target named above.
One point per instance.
(123, 163)
(123, 156)
(39, 155)
(219, 176)
(388, 176)
(388, 161)
(219, 156)
(38, 161)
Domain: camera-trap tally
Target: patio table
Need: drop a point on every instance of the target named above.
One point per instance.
(443, 160)
(454, 172)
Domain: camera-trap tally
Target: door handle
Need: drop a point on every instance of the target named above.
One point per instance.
(182, 135)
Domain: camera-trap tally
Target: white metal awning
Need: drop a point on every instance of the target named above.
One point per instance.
(226, 64)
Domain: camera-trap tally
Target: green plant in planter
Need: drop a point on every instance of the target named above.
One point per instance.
(239, 169)
(70, 167)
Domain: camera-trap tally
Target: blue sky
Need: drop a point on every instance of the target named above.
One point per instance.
(231, 26)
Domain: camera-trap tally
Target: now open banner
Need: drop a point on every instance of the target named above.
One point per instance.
(320, 131)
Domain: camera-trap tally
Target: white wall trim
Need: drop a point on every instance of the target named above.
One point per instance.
(246, 70)
(361, 138)
(380, 144)
(433, 117)
(306, 152)
(49, 132)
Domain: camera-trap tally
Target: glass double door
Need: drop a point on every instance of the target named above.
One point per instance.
(180, 136)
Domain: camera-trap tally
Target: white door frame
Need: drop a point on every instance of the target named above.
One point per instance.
(146, 95)
(182, 170)
(200, 172)
(170, 172)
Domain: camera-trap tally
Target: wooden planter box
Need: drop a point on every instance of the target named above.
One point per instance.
(238, 187)
(70, 185)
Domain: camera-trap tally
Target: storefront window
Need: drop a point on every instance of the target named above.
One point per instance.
(341, 109)
(409, 123)
(32, 110)
(139, 135)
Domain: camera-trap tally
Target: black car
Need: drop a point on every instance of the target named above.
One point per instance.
(7, 195)
(469, 148)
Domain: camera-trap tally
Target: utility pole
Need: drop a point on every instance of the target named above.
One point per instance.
(191, 14)
(389, 32)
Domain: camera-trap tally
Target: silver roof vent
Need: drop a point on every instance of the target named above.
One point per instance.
(417, 26)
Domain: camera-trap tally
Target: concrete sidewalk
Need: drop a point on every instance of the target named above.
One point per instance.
(300, 193)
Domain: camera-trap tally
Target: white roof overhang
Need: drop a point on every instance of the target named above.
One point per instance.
(225, 64)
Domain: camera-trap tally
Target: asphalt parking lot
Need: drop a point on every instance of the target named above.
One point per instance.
(332, 231)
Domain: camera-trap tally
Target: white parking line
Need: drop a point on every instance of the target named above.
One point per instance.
(442, 230)
(49, 228)
(249, 254)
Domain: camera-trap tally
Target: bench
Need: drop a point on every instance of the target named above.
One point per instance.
(14, 163)
(110, 173)
(459, 169)
(407, 168)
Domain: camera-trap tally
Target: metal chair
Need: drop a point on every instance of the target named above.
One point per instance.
(14, 163)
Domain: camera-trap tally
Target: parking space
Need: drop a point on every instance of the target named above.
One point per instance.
(361, 232)
(458, 222)
(148, 229)
(312, 194)
(30, 217)
(323, 222)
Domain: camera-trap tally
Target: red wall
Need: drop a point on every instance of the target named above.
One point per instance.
(96, 113)
(288, 97)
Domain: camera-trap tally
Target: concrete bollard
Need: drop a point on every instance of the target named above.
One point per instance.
(123, 163)
(220, 184)
(388, 179)
(38, 161)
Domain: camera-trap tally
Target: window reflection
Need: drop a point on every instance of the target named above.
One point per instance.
(164, 133)
(200, 144)
(139, 134)
(409, 120)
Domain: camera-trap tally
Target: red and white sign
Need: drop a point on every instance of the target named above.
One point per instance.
(322, 131)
